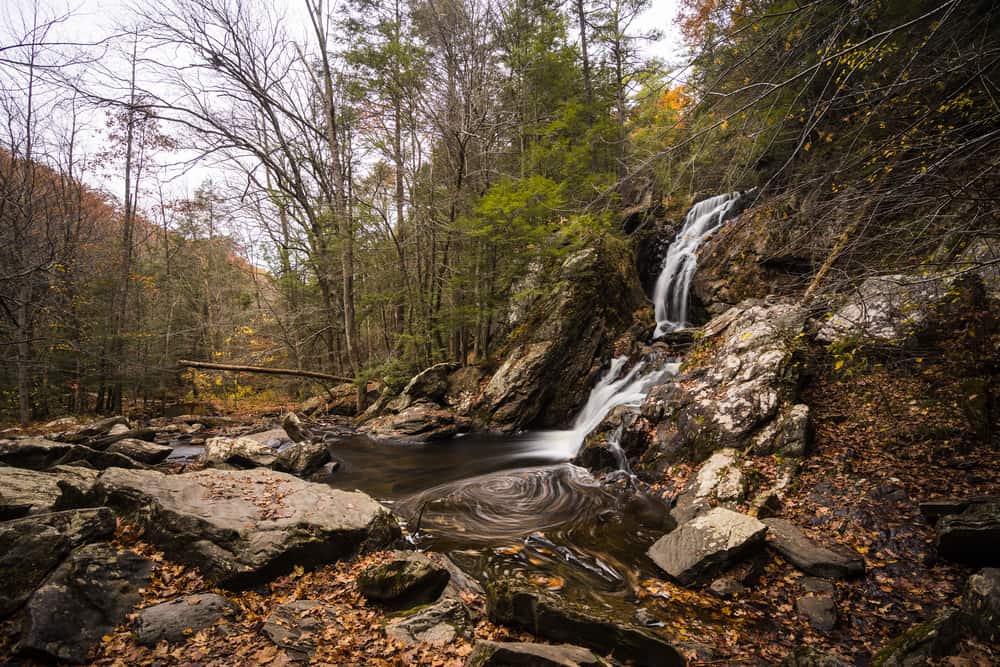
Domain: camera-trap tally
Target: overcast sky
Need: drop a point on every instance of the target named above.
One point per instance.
(90, 20)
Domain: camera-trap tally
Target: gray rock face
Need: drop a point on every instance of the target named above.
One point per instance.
(30, 548)
(24, 492)
(798, 549)
(41, 454)
(747, 378)
(707, 544)
(921, 643)
(972, 537)
(525, 654)
(175, 620)
(819, 604)
(92, 430)
(981, 601)
(719, 479)
(149, 453)
(242, 452)
(419, 422)
(438, 624)
(84, 599)
(240, 527)
(789, 435)
(409, 578)
(430, 384)
(294, 428)
(884, 308)
(296, 626)
(547, 373)
(525, 606)
(302, 458)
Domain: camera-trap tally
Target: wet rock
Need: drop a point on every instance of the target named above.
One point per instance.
(707, 544)
(295, 626)
(808, 656)
(81, 601)
(972, 537)
(31, 547)
(242, 452)
(923, 642)
(421, 421)
(819, 605)
(801, 551)
(438, 624)
(89, 431)
(294, 428)
(176, 620)
(789, 435)
(242, 527)
(149, 453)
(981, 602)
(517, 603)
(409, 578)
(302, 458)
(549, 369)
(524, 654)
(747, 377)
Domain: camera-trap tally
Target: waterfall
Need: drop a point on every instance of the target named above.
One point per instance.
(670, 297)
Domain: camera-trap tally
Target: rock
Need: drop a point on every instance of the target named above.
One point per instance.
(511, 654)
(463, 388)
(430, 384)
(409, 578)
(807, 656)
(118, 429)
(746, 377)
(718, 479)
(103, 442)
(313, 407)
(83, 600)
(176, 620)
(550, 368)
(295, 626)
(273, 438)
(419, 422)
(41, 454)
(940, 507)
(972, 537)
(707, 544)
(242, 452)
(819, 605)
(30, 548)
(24, 492)
(921, 643)
(765, 504)
(438, 624)
(789, 435)
(242, 527)
(517, 603)
(302, 458)
(149, 453)
(981, 602)
(794, 546)
(89, 431)
(725, 587)
(294, 428)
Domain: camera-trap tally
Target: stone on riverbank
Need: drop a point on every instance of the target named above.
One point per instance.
(525, 654)
(176, 620)
(812, 558)
(409, 578)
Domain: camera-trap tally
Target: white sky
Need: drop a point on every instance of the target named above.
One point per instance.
(91, 20)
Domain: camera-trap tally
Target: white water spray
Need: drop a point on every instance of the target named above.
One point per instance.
(670, 297)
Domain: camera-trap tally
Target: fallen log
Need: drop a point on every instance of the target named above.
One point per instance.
(210, 365)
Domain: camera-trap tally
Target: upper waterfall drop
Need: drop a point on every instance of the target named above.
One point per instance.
(670, 297)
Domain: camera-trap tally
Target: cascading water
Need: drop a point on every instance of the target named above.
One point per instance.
(670, 297)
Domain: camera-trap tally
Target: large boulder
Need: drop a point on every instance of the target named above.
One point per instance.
(922, 643)
(142, 451)
(812, 558)
(704, 546)
(241, 452)
(408, 578)
(972, 537)
(524, 654)
(431, 384)
(24, 492)
(302, 458)
(41, 454)
(30, 548)
(242, 527)
(719, 479)
(981, 602)
(743, 375)
(437, 624)
(176, 620)
(89, 431)
(419, 422)
(83, 600)
(550, 360)
(518, 603)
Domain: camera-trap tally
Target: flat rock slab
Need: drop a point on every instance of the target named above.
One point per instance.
(941, 507)
(84, 599)
(525, 654)
(972, 537)
(525, 606)
(42, 454)
(24, 492)
(176, 620)
(438, 624)
(811, 557)
(142, 451)
(409, 578)
(707, 544)
(30, 548)
(240, 528)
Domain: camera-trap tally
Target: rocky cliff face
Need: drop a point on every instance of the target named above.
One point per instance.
(555, 353)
